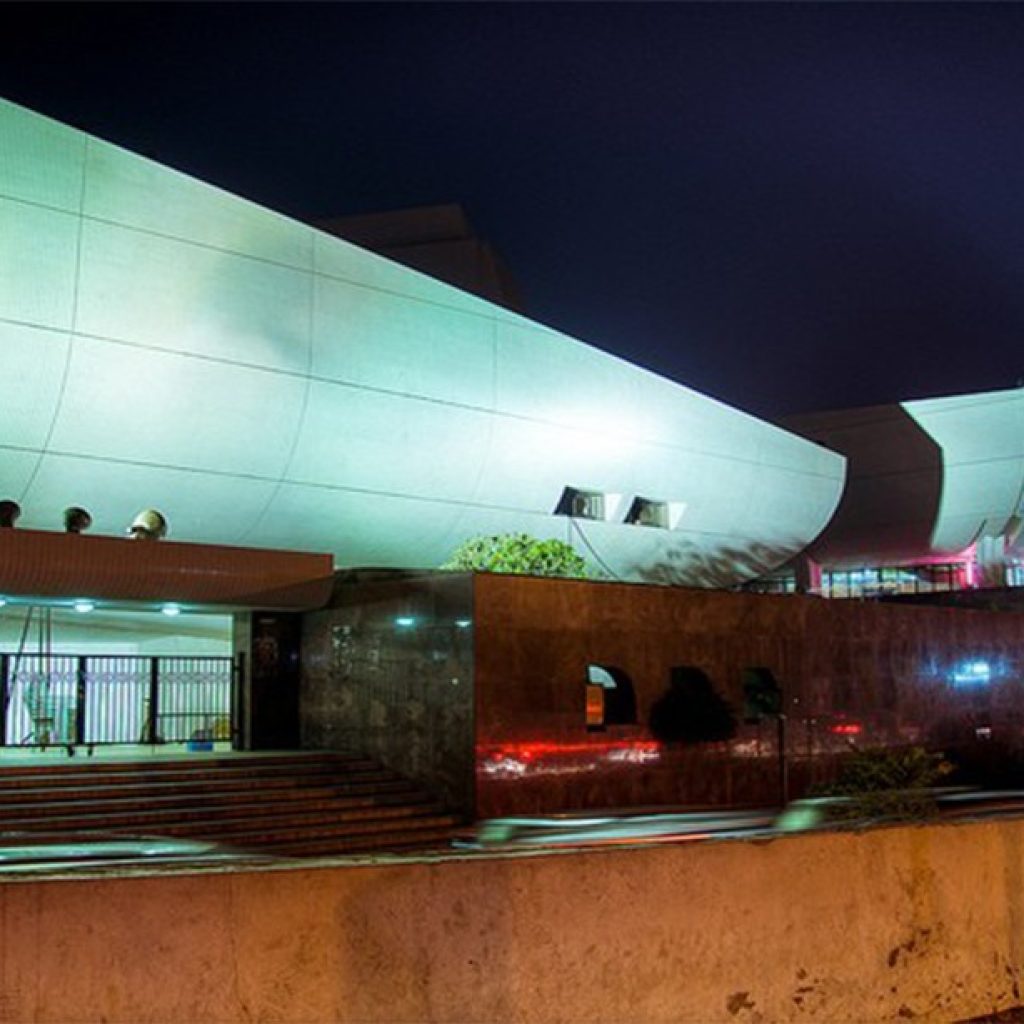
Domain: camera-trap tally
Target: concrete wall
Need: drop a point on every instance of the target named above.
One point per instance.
(890, 925)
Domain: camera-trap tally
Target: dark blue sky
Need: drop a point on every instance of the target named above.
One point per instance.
(786, 206)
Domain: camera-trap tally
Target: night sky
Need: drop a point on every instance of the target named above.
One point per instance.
(789, 207)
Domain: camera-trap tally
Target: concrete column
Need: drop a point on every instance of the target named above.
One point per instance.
(990, 553)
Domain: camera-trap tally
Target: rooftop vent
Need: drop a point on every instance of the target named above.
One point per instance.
(645, 512)
(9, 512)
(581, 504)
(148, 525)
(76, 520)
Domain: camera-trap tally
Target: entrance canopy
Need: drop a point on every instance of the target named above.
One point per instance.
(47, 565)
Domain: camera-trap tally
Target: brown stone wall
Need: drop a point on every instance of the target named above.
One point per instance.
(863, 672)
(388, 671)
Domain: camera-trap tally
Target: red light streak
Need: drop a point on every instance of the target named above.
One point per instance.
(528, 750)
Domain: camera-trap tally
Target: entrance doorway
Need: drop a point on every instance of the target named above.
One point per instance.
(72, 675)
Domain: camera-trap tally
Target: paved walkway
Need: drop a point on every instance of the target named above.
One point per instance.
(118, 752)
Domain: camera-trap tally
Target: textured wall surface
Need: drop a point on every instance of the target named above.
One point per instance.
(890, 925)
(388, 671)
(886, 672)
(267, 384)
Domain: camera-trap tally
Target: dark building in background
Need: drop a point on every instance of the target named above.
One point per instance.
(436, 240)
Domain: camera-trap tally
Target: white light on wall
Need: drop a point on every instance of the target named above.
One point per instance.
(171, 609)
(972, 673)
(463, 623)
(83, 607)
(405, 621)
(3, 601)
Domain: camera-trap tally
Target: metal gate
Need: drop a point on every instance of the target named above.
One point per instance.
(64, 699)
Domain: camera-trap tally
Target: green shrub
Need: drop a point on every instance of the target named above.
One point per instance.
(517, 553)
(893, 783)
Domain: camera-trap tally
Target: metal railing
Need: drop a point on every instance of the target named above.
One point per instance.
(67, 699)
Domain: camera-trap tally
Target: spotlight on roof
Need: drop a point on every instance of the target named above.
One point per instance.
(76, 520)
(9, 512)
(148, 525)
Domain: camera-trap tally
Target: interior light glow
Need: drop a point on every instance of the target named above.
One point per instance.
(463, 623)
(970, 577)
(171, 609)
(405, 621)
(83, 607)
(972, 673)
(3, 601)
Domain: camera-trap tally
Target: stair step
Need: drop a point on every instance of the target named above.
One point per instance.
(97, 776)
(211, 803)
(228, 762)
(425, 840)
(267, 838)
(168, 772)
(256, 833)
(61, 803)
(267, 804)
(240, 819)
(154, 790)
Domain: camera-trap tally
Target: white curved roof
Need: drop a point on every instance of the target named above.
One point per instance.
(927, 478)
(263, 383)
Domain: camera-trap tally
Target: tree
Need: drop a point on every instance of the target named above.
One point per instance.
(691, 711)
(517, 553)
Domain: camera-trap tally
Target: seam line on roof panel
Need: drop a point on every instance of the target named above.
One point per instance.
(70, 333)
(346, 488)
(465, 406)
(295, 268)
(300, 420)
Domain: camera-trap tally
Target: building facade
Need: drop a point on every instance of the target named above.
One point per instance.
(263, 383)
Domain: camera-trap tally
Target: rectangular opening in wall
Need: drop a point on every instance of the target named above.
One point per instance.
(581, 504)
(648, 512)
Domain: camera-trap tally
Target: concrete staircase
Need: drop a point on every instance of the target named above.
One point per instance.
(290, 805)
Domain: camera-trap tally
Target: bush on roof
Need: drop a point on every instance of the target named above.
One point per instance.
(517, 553)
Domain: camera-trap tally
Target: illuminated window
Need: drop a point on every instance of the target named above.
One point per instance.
(580, 504)
(645, 512)
(610, 698)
